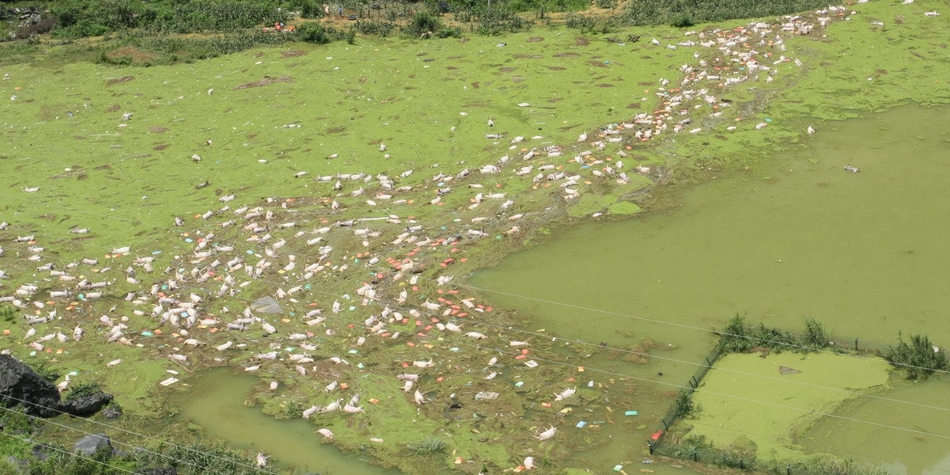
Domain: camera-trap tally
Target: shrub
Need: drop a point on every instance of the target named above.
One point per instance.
(684, 404)
(814, 336)
(920, 358)
(423, 24)
(429, 446)
(682, 22)
(733, 338)
(314, 33)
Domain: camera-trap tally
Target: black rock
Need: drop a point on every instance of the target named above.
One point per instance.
(91, 444)
(21, 385)
(85, 406)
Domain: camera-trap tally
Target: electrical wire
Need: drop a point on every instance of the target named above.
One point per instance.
(582, 342)
(750, 400)
(714, 367)
(120, 429)
(57, 449)
(922, 468)
(681, 325)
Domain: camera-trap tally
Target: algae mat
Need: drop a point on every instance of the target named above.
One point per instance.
(770, 401)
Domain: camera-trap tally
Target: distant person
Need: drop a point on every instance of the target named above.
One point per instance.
(326, 9)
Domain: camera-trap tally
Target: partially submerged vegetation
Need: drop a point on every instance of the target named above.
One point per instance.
(741, 336)
(919, 357)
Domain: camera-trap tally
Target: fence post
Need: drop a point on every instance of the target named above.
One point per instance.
(855, 344)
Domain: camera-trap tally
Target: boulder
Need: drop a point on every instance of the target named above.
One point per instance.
(21, 385)
(85, 405)
(91, 444)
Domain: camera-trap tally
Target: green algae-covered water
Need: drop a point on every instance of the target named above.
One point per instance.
(216, 403)
(784, 240)
(909, 434)
(787, 238)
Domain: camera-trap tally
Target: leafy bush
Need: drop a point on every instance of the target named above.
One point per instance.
(682, 21)
(314, 33)
(920, 358)
(684, 404)
(814, 336)
(423, 24)
(733, 338)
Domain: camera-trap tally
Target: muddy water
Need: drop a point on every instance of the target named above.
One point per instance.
(216, 403)
(787, 238)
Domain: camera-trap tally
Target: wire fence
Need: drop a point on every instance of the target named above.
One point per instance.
(665, 442)
(677, 407)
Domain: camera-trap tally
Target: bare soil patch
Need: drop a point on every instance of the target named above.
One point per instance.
(121, 79)
(264, 82)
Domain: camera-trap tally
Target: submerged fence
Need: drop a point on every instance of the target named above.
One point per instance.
(746, 459)
(677, 408)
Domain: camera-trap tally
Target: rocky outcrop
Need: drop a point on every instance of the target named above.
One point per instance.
(20, 385)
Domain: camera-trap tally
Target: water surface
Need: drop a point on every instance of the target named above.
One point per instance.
(791, 238)
(216, 402)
